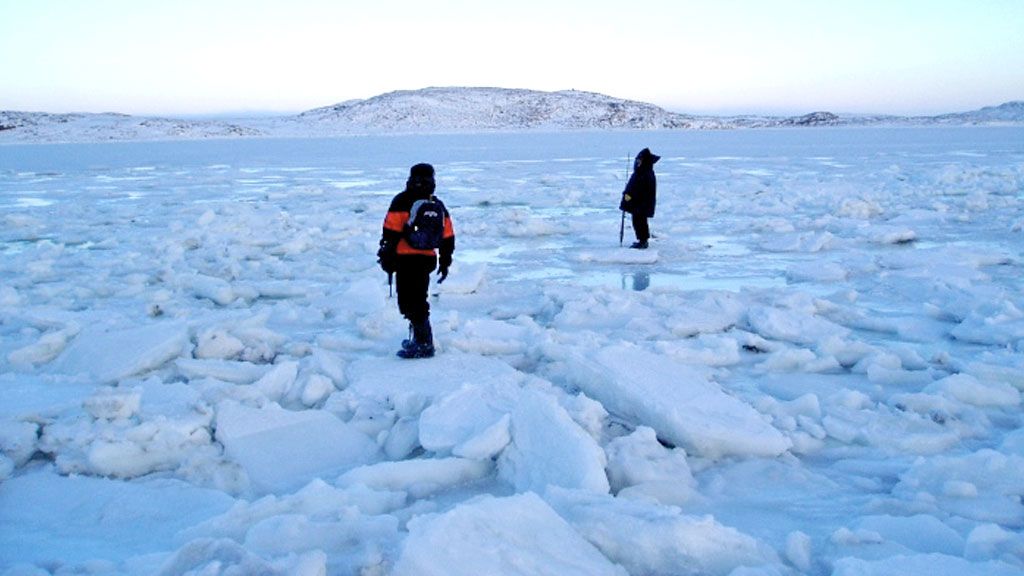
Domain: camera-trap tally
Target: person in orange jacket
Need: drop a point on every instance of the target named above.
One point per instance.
(412, 250)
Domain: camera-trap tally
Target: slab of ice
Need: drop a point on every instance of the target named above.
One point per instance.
(920, 533)
(821, 272)
(542, 443)
(110, 354)
(970, 390)
(922, 564)
(22, 398)
(640, 467)
(706, 313)
(650, 539)
(618, 256)
(418, 478)
(794, 326)
(1000, 323)
(282, 450)
(48, 347)
(392, 378)
(215, 289)
(984, 486)
(465, 415)
(800, 242)
(515, 535)
(96, 517)
(463, 278)
(550, 449)
(677, 401)
(493, 337)
(236, 372)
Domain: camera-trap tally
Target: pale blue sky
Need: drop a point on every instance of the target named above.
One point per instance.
(715, 56)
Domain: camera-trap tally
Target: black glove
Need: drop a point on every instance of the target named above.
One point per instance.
(443, 264)
(387, 257)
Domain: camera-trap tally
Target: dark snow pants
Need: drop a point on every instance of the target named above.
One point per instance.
(640, 226)
(412, 279)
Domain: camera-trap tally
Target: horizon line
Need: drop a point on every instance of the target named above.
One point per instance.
(725, 112)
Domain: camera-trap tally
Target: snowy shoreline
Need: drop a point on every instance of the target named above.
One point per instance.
(454, 111)
(128, 135)
(816, 369)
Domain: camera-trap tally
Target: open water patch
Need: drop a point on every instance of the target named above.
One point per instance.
(30, 202)
(638, 280)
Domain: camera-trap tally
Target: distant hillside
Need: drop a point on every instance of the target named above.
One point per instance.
(1008, 113)
(462, 109)
(472, 109)
(441, 110)
(107, 127)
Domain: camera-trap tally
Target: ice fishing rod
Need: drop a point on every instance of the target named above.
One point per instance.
(622, 221)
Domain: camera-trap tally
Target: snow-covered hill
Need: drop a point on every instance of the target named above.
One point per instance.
(501, 109)
(453, 109)
(30, 127)
(1008, 113)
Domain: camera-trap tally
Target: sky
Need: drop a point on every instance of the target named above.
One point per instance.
(196, 57)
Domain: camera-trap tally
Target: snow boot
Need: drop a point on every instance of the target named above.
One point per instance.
(422, 345)
(639, 245)
(408, 342)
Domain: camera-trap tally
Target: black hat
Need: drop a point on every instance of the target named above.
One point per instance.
(647, 157)
(421, 180)
(421, 171)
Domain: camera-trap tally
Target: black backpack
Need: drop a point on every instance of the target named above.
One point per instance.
(425, 227)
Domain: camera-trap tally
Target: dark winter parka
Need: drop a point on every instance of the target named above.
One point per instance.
(419, 186)
(640, 194)
(412, 266)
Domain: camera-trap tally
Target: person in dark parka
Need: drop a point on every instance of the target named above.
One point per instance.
(640, 196)
(412, 266)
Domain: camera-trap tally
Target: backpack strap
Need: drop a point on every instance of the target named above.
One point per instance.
(414, 210)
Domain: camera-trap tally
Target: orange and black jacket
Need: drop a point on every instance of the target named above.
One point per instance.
(394, 226)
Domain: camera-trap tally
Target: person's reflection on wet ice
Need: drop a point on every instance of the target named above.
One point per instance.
(640, 280)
